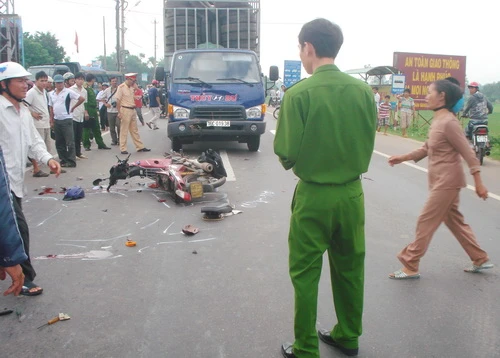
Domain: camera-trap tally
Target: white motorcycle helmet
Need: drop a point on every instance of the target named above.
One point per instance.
(9, 70)
(12, 70)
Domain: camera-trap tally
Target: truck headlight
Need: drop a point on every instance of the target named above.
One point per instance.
(180, 112)
(254, 112)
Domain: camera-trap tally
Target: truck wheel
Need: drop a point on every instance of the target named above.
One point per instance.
(176, 144)
(253, 143)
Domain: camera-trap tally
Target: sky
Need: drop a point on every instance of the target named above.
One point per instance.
(373, 30)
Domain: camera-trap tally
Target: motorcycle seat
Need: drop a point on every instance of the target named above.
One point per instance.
(219, 209)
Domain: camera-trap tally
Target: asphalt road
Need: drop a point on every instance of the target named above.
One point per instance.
(225, 292)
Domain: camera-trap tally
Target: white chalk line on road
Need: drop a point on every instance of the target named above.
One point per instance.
(229, 169)
(422, 169)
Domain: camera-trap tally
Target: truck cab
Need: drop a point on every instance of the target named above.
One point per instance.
(215, 95)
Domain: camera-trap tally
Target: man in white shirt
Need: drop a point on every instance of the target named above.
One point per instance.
(62, 120)
(38, 106)
(110, 103)
(20, 139)
(79, 114)
(376, 97)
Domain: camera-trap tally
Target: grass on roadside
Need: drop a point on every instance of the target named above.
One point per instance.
(419, 129)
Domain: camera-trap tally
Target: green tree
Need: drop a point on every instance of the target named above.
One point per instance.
(42, 48)
(492, 91)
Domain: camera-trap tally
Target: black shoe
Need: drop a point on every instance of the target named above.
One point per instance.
(324, 335)
(88, 149)
(105, 147)
(287, 350)
(113, 143)
(144, 150)
(124, 152)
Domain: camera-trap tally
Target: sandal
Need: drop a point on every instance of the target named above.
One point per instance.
(475, 269)
(40, 174)
(401, 275)
(29, 287)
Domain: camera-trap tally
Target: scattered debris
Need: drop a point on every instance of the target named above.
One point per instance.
(79, 178)
(190, 230)
(20, 315)
(139, 191)
(5, 312)
(104, 210)
(153, 186)
(234, 212)
(162, 200)
(194, 252)
(130, 243)
(61, 317)
(141, 184)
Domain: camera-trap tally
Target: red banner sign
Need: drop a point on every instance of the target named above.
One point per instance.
(422, 69)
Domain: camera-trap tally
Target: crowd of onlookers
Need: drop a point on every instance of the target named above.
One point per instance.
(72, 110)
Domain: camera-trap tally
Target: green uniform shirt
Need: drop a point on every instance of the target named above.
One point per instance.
(91, 104)
(326, 127)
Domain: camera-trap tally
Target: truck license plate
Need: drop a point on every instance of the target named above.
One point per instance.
(218, 123)
(481, 138)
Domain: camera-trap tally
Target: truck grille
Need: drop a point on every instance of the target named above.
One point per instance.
(236, 113)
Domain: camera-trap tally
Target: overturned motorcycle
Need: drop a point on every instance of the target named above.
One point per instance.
(186, 180)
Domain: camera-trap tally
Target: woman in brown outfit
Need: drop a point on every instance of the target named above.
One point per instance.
(445, 146)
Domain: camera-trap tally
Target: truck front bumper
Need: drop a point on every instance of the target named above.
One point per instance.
(196, 129)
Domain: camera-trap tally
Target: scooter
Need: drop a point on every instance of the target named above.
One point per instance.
(186, 180)
(480, 141)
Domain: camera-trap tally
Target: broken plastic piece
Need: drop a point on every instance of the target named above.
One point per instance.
(130, 243)
(194, 252)
(190, 230)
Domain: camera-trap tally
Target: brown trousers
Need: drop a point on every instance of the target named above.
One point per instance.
(129, 123)
(441, 206)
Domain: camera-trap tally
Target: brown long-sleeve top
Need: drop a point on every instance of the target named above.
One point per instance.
(445, 146)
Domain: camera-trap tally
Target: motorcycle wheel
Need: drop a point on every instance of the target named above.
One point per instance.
(480, 155)
(276, 113)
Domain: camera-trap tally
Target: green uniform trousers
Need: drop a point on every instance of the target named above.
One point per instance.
(327, 217)
(96, 130)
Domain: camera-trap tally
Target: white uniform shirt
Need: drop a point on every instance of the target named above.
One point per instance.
(111, 99)
(38, 101)
(58, 103)
(79, 111)
(101, 95)
(19, 140)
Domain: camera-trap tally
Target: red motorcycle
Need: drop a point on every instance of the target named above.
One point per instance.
(185, 179)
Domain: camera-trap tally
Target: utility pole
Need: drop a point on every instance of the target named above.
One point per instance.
(118, 57)
(155, 22)
(123, 35)
(104, 37)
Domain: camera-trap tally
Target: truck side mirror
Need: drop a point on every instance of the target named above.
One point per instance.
(160, 74)
(274, 73)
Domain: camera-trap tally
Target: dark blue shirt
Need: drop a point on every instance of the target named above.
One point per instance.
(11, 243)
(153, 94)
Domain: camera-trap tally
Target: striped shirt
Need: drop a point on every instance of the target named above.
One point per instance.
(384, 110)
(19, 140)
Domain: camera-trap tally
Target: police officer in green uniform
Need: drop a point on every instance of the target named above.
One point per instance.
(91, 107)
(325, 134)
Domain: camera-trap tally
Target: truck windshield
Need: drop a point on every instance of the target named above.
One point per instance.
(216, 67)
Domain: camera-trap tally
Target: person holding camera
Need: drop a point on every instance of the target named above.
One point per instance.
(91, 123)
(112, 111)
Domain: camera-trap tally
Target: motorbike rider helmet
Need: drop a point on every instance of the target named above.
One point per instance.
(155, 82)
(68, 76)
(9, 70)
(12, 70)
(474, 84)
